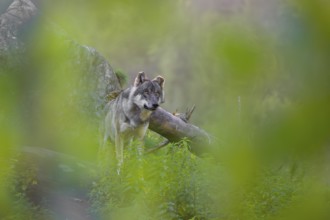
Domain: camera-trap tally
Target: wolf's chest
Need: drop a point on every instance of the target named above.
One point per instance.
(138, 118)
(136, 130)
(145, 115)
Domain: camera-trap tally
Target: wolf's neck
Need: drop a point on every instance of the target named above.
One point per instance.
(145, 114)
(135, 114)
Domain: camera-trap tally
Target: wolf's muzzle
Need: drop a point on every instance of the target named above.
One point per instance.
(152, 108)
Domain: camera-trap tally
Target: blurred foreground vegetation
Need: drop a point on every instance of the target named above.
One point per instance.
(258, 72)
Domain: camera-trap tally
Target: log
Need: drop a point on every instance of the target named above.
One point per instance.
(175, 129)
(97, 76)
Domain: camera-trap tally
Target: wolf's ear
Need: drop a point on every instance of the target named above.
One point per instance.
(141, 77)
(161, 81)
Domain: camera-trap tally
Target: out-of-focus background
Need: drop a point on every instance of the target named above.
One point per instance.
(257, 71)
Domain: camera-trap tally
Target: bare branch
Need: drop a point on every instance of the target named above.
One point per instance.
(159, 146)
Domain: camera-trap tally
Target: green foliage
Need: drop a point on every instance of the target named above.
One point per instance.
(20, 179)
(122, 77)
(271, 192)
(175, 184)
(167, 185)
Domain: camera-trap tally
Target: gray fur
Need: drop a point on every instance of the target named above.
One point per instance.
(128, 115)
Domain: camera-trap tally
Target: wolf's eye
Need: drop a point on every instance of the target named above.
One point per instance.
(157, 94)
(145, 93)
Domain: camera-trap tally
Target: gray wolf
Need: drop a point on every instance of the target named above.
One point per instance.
(128, 115)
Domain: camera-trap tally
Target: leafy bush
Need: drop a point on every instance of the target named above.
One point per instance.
(21, 178)
(164, 185)
(175, 184)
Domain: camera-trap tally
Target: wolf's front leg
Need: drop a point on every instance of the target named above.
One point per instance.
(141, 135)
(140, 161)
(119, 142)
(140, 146)
(125, 127)
(140, 151)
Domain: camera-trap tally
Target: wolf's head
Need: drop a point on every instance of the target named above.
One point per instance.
(148, 94)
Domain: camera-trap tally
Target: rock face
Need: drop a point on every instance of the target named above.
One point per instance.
(97, 76)
(11, 22)
(92, 66)
(17, 14)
